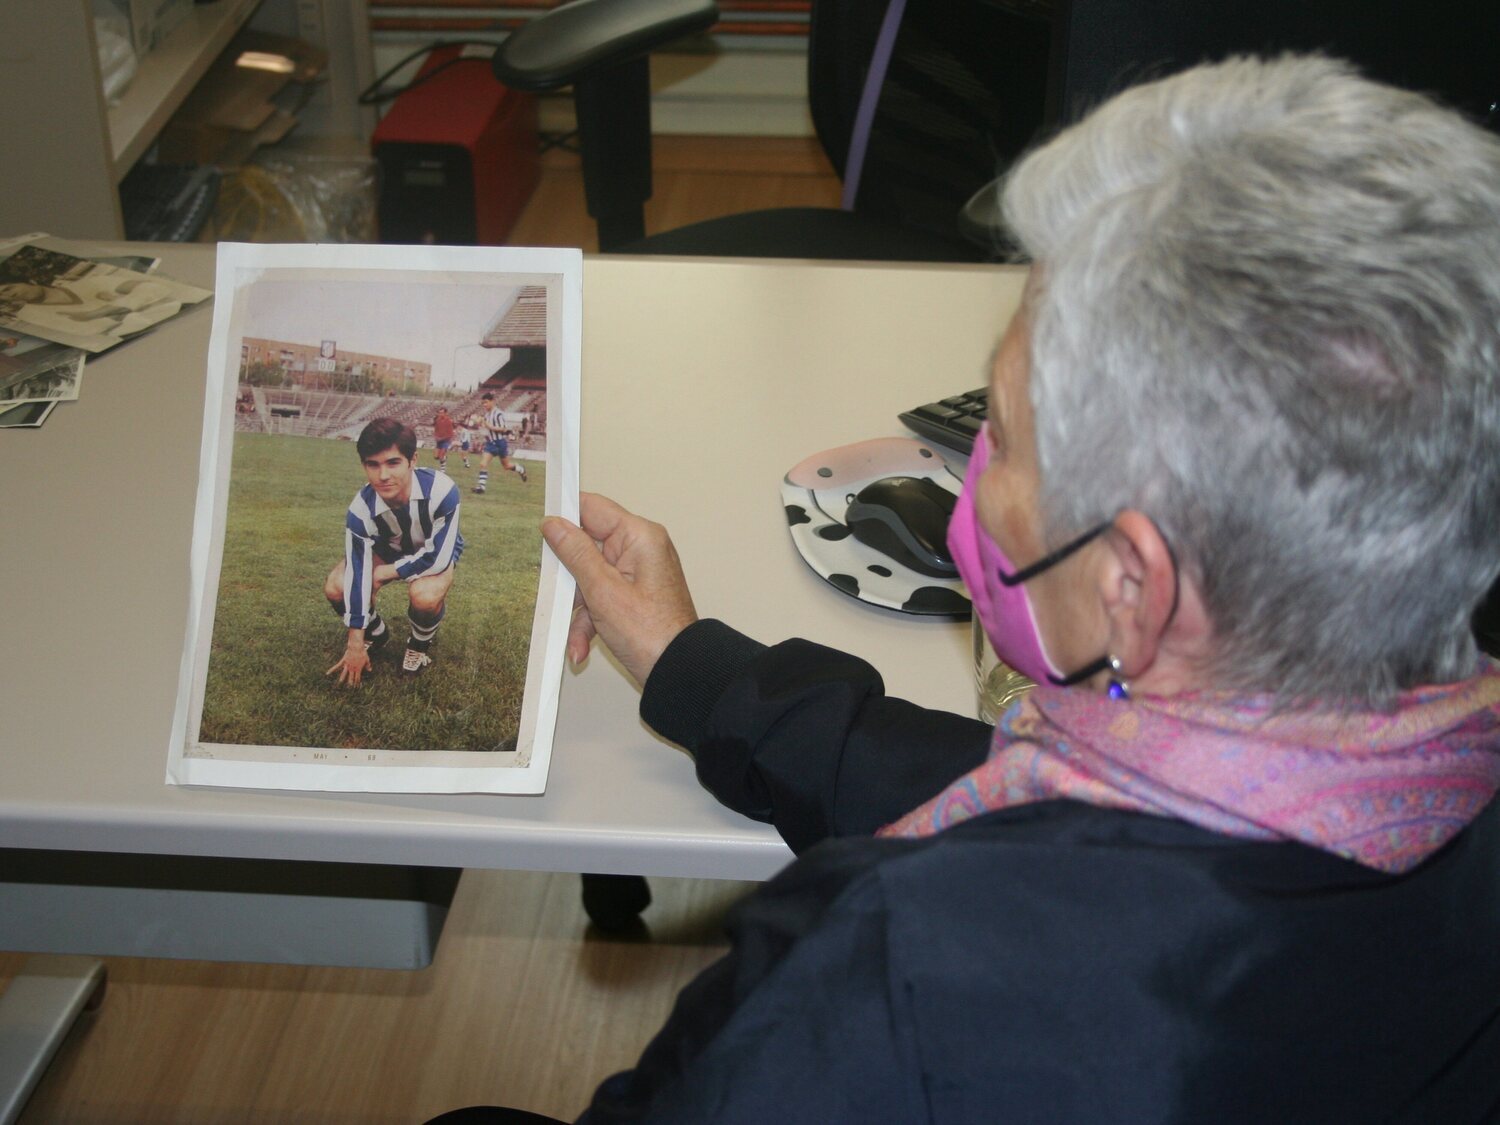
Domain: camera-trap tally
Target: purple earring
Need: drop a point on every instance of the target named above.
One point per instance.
(1118, 688)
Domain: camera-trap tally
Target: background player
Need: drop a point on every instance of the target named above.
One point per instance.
(403, 525)
(495, 444)
(442, 436)
(468, 436)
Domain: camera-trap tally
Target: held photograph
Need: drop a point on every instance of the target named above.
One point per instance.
(373, 607)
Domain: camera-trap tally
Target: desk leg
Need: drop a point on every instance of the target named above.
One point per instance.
(36, 1012)
(614, 902)
(207, 908)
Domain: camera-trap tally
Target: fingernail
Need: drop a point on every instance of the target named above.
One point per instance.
(553, 529)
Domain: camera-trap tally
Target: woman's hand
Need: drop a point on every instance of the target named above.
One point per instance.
(631, 590)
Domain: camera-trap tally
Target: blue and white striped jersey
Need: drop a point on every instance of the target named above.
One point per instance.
(494, 421)
(420, 538)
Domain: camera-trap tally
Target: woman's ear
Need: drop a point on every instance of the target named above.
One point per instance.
(1160, 629)
(1153, 616)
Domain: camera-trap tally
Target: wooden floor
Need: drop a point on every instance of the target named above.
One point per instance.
(524, 1005)
(696, 178)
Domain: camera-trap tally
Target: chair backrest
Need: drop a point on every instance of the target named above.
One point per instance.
(1487, 621)
(970, 84)
(962, 96)
(1447, 48)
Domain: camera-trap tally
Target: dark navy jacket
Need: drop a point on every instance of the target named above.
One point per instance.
(1049, 963)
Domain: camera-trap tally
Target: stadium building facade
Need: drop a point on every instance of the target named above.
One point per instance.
(320, 367)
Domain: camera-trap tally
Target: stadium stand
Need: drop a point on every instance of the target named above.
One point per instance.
(340, 414)
(292, 410)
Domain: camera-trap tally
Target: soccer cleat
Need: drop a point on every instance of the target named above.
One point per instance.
(414, 661)
(522, 473)
(377, 642)
(477, 490)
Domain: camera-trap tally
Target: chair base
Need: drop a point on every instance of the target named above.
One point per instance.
(614, 902)
(805, 232)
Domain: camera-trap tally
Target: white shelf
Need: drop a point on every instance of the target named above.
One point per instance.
(167, 75)
(65, 150)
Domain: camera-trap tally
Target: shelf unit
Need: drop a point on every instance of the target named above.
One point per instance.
(65, 151)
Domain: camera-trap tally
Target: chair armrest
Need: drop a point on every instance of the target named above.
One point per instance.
(981, 219)
(588, 35)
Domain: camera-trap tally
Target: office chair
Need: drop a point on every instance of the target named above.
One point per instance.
(918, 103)
(1487, 622)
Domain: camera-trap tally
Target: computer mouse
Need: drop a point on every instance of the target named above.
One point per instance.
(879, 567)
(907, 519)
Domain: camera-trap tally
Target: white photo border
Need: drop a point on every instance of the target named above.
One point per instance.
(377, 770)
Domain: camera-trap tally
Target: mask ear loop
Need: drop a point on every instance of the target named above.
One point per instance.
(1088, 672)
(1046, 562)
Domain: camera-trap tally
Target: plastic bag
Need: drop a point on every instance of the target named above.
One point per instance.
(297, 197)
(117, 61)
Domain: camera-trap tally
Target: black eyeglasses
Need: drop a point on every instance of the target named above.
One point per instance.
(1027, 573)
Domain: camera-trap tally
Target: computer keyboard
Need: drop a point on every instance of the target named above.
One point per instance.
(167, 202)
(953, 422)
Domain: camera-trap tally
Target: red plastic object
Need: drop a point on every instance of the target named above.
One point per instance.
(458, 155)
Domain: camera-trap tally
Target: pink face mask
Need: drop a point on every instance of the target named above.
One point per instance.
(996, 585)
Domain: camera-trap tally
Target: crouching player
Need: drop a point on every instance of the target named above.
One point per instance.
(403, 525)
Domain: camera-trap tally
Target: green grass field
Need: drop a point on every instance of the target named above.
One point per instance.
(275, 635)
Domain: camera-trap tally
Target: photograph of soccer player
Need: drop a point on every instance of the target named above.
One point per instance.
(442, 436)
(402, 525)
(326, 486)
(496, 444)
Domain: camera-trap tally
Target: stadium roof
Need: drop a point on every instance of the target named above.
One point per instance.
(524, 324)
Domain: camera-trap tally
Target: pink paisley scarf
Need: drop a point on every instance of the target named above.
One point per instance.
(1384, 789)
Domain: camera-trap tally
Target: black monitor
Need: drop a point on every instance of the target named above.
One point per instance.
(1448, 48)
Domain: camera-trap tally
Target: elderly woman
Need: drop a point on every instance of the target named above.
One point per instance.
(1235, 859)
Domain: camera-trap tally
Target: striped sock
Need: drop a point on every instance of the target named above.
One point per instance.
(422, 634)
(484, 477)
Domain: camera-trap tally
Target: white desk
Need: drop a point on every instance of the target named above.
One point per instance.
(703, 381)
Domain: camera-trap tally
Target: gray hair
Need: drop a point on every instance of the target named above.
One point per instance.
(1267, 315)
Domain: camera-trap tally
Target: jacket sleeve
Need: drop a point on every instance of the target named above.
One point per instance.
(797, 1025)
(802, 736)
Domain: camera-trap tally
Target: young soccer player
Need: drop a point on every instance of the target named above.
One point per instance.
(495, 444)
(468, 436)
(402, 525)
(442, 436)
